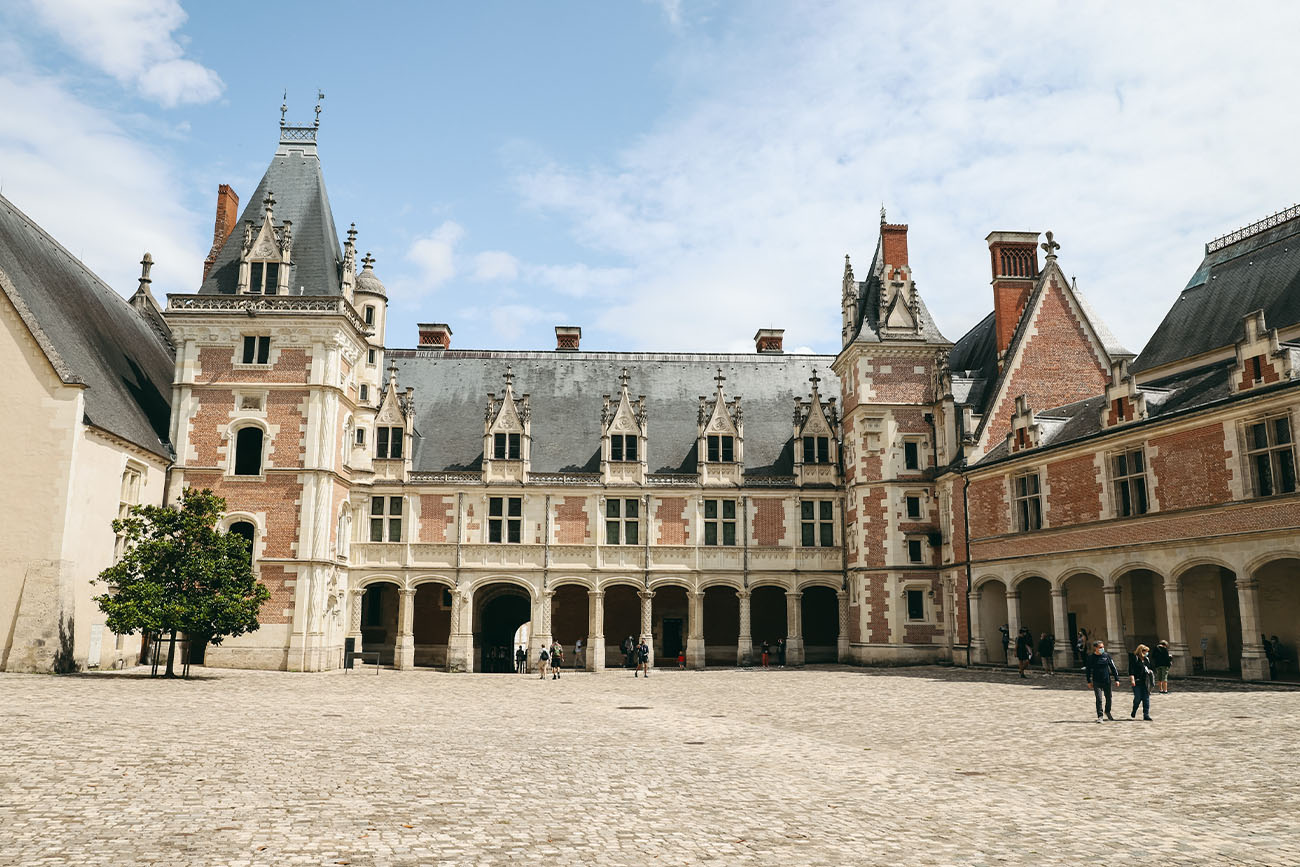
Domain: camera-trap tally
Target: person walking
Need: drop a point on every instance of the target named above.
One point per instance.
(579, 655)
(1270, 655)
(642, 659)
(521, 660)
(543, 659)
(1101, 673)
(1140, 676)
(1024, 649)
(1006, 643)
(766, 649)
(780, 653)
(557, 660)
(629, 652)
(1161, 660)
(1046, 647)
(1081, 648)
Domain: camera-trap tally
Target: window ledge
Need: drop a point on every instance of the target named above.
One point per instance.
(232, 477)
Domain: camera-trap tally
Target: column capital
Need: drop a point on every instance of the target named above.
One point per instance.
(1057, 592)
(358, 592)
(743, 593)
(1247, 582)
(646, 594)
(1013, 594)
(1110, 589)
(408, 592)
(596, 593)
(794, 592)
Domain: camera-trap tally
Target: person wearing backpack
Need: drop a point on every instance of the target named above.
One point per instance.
(557, 660)
(1161, 660)
(543, 660)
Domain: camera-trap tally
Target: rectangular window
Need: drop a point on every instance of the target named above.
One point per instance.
(129, 496)
(370, 356)
(719, 522)
(1271, 456)
(370, 314)
(388, 442)
(505, 519)
(913, 507)
(365, 393)
(816, 523)
(912, 455)
(263, 278)
(385, 515)
(915, 604)
(721, 448)
(816, 450)
(257, 350)
(505, 447)
(623, 447)
(361, 436)
(1129, 472)
(914, 551)
(1029, 506)
(622, 522)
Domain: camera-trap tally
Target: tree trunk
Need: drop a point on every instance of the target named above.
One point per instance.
(171, 654)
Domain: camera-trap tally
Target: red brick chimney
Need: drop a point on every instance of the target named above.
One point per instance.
(1014, 258)
(893, 242)
(567, 338)
(769, 340)
(227, 216)
(435, 335)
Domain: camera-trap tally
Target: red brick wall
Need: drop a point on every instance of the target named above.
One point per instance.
(872, 526)
(1057, 366)
(1191, 468)
(878, 603)
(902, 384)
(1075, 492)
(437, 518)
(988, 507)
(213, 412)
(293, 364)
(855, 623)
(671, 512)
(571, 525)
(769, 520)
(274, 577)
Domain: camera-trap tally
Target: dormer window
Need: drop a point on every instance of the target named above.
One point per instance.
(263, 278)
(622, 447)
(388, 443)
(721, 448)
(505, 447)
(816, 450)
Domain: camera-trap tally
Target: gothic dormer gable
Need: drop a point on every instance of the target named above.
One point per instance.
(396, 407)
(900, 316)
(1125, 402)
(507, 434)
(1261, 358)
(717, 415)
(1026, 432)
(623, 442)
(627, 415)
(266, 254)
(815, 442)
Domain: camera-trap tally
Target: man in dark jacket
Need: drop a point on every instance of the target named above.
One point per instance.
(1101, 673)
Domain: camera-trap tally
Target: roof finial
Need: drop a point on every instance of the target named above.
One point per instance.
(352, 234)
(146, 264)
(719, 379)
(814, 379)
(368, 261)
(1050, 246)
(392, 373)
(623, 379)
(882, 213)
(268, 203)
(320, 95)
(509, 377)
(284, 107)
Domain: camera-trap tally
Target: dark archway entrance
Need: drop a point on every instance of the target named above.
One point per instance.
(570, 622)
(622, 619)
(820, 624)
(1142, 608)
(1211, 618)
(431, 625)
(670, 624)
(379, 621)
(721, 625)
(1035, 608)
(767, 619)
(1278, 600)
(499, 611)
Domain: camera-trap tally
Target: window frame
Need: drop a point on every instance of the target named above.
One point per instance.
(624, 448)
(623, 514)
(1124, 479)
(819, 526)
(914, 445)
(719, 526)
(507, 446)
(387, 511)
(908, 500)
(1279, 457)
(820, 451)
(1023, 513)
(235, 451)
(256, 350)
(505, 520)
(718, 446)
(907, 605)
(258, 271)
(915, 550)
(385, 441)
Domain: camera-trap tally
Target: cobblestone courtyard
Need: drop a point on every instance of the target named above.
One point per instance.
(834, 766)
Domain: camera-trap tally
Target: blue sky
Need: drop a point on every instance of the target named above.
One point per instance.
(668, 175)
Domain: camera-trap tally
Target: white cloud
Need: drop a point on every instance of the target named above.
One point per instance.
(106, 196)
(435, 256)
(1136, 133)
(134, 41)
(495, 265)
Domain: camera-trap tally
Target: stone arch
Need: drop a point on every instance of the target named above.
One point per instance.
(1257, 563)
(671, 581)
(1277, 599)
(670, 612)
(570, 581)
(380, 603)
(784, 584)
(243, 447)
(721, 621)
(977, 585)
(768, 620)
(479, 583)
(720, 581)
(1142, 609)
(1212, 624)
(993, 615)
(1035, 612)
(836, 583)
(499, 606)
(1130, 566)
(1180, 571)
(431, 626)
(620, 580)
(622, 617)
(1085, 604)
(257, 544)
(378, 578)
(570, 616)
(819, 624)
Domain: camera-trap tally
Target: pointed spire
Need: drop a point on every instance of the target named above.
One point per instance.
(284, 107)
(146, 265)
(268, 206)
(392, 374)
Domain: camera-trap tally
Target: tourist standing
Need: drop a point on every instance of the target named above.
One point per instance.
(1024, 649)
(579, 655)
(642, 660)
(681, 659)
(1101, 673)
(1046, 647)
(1006, 643)
(629, 652)
(1139, 677)
(766, 649)
(557, 660)
(521, 660)
(1270, 655)
(543, 659)
(1161, 660)
(780, 653)
(1081, 648)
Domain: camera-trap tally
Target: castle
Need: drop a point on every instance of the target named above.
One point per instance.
(898, 502)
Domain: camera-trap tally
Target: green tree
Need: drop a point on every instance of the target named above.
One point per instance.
(180, 574)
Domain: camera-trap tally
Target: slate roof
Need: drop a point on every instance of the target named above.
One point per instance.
(90, 334)
(451, 389)
(974, 364)
(1185, 392)
(294, 178)
(1259, 272)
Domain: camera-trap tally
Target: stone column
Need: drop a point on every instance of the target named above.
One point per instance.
(1182, 661)
(978, 652)
(1063, 656)
(695, 630)
(541, 632)
(354, 617)
(460, 641)
(1013, 622)
(1254, 661)
(595, 630)
(794, 627)
(647, 623)
(404, 656)
(842, 643)
(745, 644)
(1114, 628)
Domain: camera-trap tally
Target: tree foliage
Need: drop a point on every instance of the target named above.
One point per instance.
(180, 574)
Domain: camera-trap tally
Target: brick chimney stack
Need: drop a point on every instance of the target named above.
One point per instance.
(435, 335)
(227, 216)
(1014, 258)
(567, 338)
(893, 242)
(768, 340)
